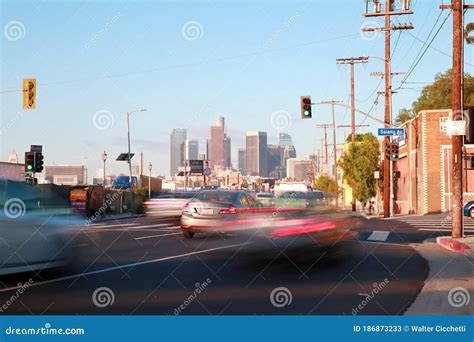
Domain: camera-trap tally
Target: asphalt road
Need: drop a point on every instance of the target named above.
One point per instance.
(145, 266)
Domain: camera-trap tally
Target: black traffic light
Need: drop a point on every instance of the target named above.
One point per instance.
(306, 107)
(29, 161)
(39, 162)
(394, 150)
(388, 150)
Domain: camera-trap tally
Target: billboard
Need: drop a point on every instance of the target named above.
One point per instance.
(196, 167)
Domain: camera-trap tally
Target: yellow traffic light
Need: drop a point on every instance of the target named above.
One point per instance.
(29, 93)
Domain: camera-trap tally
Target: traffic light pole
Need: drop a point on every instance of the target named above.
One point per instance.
(387, 165)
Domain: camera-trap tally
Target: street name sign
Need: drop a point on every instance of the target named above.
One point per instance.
(391, 131)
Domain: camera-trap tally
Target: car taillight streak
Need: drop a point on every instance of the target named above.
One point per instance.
(229, 210)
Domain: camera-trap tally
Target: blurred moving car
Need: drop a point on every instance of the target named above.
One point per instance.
(316, 198)
(209, 208)
(469, 209)
(170, 204)
(302, 200)
(34, 232)
(267, 199)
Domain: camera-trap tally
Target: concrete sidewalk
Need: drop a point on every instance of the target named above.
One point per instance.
(449, 287)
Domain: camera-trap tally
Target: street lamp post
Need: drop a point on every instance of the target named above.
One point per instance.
(104, 159)
(149, 180)
(130, 159)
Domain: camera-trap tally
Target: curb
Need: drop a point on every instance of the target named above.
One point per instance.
(454, 245)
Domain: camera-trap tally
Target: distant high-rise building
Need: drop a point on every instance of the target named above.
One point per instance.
(300, 169)
(219, 145)
(220, 121)
(191, 149)
(177, 137)
(215, 145)
(227, 153)
(201, 156)
(284, 139)
(274, 157)
(242, 162)
(288, 152)
(257, 154)
(13, 158)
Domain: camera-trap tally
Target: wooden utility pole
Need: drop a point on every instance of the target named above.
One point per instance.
(352, 61)
(457, 7)
(389, 10)
(332, 103)
(325, 141)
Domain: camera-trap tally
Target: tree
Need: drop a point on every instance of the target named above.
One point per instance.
(403, 116)
(468, 31)
(438, 96)
(359, 162)
(326, 184)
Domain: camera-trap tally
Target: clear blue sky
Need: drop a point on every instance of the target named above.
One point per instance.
(250, 59)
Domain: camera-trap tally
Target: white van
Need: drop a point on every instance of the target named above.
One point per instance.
(291, 186)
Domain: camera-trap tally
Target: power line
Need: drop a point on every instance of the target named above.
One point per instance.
(424, 52)
(186, 65)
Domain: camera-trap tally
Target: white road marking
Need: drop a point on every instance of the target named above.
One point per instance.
(155, 236)
(378, 236)
(112, 225)
(381, 243)
(445, 230)
(81, 245)
(109, 269)
(165, 225)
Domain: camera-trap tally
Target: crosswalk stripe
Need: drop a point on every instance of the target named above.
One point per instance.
(471, 231)
(378, 236)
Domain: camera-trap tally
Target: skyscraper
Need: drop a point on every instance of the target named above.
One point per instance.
(300, 169)
(288, 149)
(257, 154)
(216, 144)
(227, 153)
(284, 139)
(219, 145)
(274, 157)
(177, 137)
(242, 155)
(191, 149)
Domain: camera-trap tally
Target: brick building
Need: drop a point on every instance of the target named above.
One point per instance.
(424, 166)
